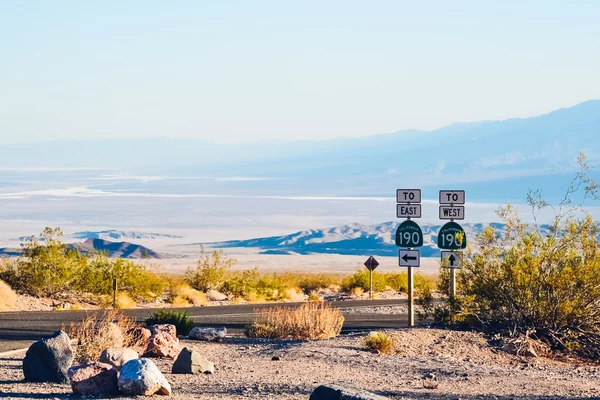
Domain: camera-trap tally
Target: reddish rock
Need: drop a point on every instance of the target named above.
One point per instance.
(94, 379)
(141, 334)
(167, 328)
(163, 345)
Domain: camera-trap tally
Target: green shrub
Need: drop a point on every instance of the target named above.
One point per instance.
(45, 269)
(210, 270)
(360, 279)
(180, 319)
(540, 283)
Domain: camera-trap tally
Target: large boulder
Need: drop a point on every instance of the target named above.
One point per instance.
(207, 334)
(337, 392)
(168, 328)
(141, 377)
(191, 362)
(49, 360)
(94, 379)
(163, 345)
(140, 334)
(117, 356)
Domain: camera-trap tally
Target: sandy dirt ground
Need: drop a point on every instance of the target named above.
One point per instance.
(465, 365)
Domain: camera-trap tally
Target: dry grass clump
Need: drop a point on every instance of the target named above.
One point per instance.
(95, 333)
(183, 295)
(380, 342)
(8, 298)
(313, 320)
(125, 301)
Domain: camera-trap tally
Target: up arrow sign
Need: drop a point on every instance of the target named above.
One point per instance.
(451, 259)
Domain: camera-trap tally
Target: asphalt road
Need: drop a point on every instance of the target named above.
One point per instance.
(20, 329)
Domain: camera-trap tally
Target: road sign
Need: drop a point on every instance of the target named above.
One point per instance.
(451, 259)
(408, 195)
(371, 263)
(409, 234)
(452, 237)
(409, 258)
(408, 210)
(452, 197)
(452, 212)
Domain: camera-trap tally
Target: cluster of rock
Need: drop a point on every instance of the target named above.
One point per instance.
(118, 370)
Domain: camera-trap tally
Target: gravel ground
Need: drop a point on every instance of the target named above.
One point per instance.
(466, 367)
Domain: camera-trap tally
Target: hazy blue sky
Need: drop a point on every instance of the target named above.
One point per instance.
(247, 70)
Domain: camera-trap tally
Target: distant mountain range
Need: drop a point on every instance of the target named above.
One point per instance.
(113, 235)
(495, 161)
(351, 239)
(112, 249)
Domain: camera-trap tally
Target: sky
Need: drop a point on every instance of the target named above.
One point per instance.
(238, 71)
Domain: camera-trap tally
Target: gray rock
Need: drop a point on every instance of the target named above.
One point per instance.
(336, 392)
(191, 362)
(49, 360)
(94, 379)
(141, 377)
(207, 334)
(117, 356)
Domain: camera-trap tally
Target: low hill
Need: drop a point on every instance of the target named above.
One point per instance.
(113, 249)
(116, 249)
(122, 235)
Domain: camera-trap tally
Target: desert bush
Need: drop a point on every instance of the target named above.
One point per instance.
(210, 270)
(379, 342)
(134, 279)
(95, 333)
(124, 301)
(360, 279)
(253, 286)
(8, 298)
(312, 320)
(182, 321)
(542, 283)
(45, 268)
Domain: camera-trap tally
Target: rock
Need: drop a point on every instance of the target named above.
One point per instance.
(141, 334)
(191, 362)
(49, 360)
(275, 358)
(208, 334)
(168, 328)
(213, 295)
(141, 377)
(337, 392)
(430, 381)
(117, 356)
(94, 379)
(163, 345)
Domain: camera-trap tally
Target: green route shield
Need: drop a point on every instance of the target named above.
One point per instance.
(409, 234)
(452, 237)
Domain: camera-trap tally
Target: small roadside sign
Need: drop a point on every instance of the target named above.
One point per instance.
(451, 259)
(408, 195)
(452, 197)
(408, 210)
(452, 237)
(371, 263)
(409, 258)
(452, 212)
(409, 234)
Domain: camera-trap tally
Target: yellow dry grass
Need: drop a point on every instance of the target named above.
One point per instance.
(183, 295)
(8, 298)
(380, 342)
(313, 320)
(94, 335)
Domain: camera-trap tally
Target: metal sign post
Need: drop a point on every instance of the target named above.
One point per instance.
(371, 264)
(115, 293)
(409, 236)
(450, 233)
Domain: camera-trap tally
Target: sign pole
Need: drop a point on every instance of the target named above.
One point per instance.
(452, 273)
(371, 284)
(411, 311)
(115, 293)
